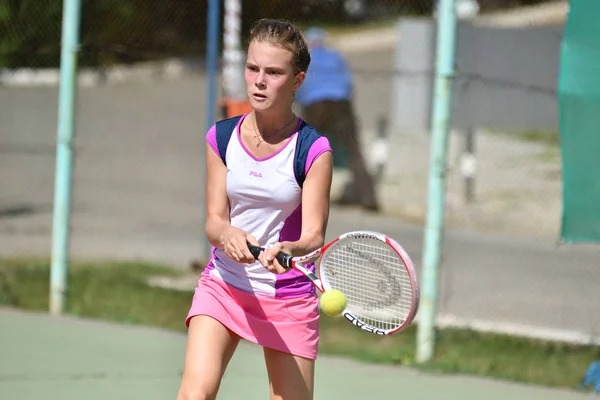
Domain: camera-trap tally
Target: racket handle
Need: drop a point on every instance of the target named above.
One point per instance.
(284, 259)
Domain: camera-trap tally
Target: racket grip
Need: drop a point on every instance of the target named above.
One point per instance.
(284, 259)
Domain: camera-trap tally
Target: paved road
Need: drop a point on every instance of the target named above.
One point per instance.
(138, 193)
(66, 358)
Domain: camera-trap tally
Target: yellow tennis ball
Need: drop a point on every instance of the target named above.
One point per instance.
(333, 302)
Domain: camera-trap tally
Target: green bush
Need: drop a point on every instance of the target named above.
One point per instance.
(29, 31)
(111, 31)
(122, 31)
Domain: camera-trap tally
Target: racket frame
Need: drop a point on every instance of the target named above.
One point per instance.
(321, 282)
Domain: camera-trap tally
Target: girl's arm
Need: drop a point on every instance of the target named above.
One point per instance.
(217, 203)
(315, 206)
(219, 231)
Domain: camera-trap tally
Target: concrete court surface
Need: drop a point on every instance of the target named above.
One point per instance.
(64, 358)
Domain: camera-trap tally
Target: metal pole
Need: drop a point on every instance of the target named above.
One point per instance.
(468, 165)
(212, 62)
(64, 155)
(233, 56)
(441, 113)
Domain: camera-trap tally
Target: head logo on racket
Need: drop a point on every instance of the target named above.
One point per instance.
(373, 271)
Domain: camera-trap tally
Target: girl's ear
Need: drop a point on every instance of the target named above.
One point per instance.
(299, 79)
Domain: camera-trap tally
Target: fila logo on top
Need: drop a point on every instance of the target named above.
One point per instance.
(255, 174)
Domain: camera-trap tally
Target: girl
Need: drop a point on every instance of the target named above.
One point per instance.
(268, 181)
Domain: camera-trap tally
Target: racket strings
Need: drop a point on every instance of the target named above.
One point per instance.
(373, 278)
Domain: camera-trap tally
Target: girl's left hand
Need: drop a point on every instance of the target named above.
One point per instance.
(268, 260)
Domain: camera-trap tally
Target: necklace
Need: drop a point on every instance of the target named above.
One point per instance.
(260, 138)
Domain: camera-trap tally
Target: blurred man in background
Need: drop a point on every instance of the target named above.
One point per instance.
(326, 101)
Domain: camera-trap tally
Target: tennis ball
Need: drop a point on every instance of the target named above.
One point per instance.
(333, 302)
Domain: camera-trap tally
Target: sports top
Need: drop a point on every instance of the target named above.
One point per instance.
(265, 200)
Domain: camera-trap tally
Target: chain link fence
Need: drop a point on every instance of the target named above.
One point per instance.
(138, 178)
(115, 31)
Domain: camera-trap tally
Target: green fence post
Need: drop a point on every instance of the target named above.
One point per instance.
(64, 155)
(440, 119)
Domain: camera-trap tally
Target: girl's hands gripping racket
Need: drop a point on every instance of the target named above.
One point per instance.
(373, 271)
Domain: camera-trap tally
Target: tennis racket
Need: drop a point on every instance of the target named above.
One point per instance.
(373, 271)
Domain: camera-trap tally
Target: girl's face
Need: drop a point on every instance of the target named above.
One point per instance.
(270, 78)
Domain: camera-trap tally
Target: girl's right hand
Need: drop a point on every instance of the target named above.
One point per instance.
(235, 244)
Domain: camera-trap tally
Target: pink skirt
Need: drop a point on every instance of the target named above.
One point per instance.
(288, 325)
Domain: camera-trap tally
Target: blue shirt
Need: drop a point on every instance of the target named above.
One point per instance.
(328, 78)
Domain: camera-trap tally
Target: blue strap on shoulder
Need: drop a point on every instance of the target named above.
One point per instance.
(225, 129)
(307, 135)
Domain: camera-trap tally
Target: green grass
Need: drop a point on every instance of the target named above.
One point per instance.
(119, 292)
(549, 138)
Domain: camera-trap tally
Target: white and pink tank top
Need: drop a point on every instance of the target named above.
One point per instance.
(265, 200)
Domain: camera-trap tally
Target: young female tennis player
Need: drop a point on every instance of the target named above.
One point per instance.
(268, 181)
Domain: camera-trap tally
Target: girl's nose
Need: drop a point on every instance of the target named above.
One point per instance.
(260, 80)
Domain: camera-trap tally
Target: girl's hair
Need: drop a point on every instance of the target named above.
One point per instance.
(284, 34)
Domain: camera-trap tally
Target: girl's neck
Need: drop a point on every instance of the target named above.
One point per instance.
(273, 124)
